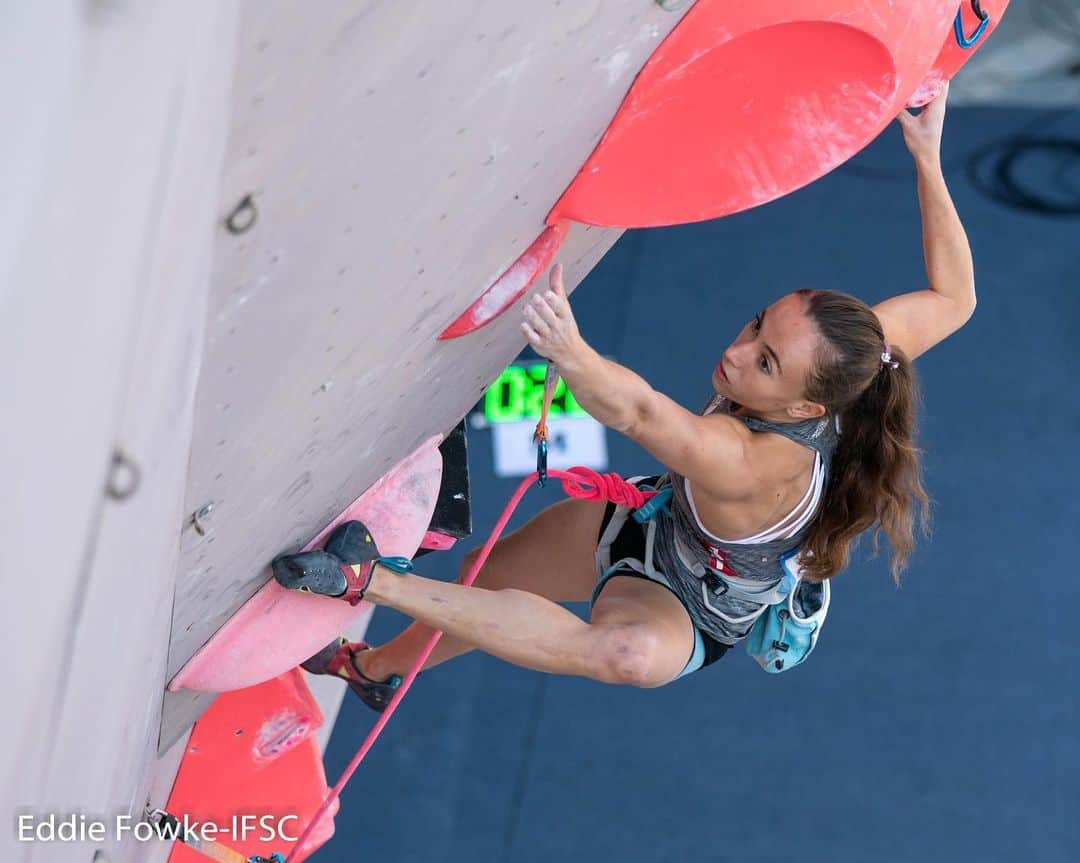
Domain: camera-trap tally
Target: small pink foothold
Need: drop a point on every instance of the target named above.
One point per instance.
(434, 541)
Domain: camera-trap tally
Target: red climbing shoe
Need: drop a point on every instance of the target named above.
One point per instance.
(338, 655)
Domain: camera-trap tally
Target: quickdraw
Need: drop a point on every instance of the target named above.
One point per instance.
(551, 381)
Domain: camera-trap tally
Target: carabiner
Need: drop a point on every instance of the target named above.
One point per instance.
(958, 25)
(541, 461)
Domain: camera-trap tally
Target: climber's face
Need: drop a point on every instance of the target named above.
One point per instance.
(765, 369)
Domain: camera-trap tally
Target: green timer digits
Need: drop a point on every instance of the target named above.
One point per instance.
(518, 394)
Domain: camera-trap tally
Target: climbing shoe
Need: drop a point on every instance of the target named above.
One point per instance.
(339, 656)
(342, 569)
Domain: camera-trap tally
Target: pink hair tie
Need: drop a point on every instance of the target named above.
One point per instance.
(886, 358)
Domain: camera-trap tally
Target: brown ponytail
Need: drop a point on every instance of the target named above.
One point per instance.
(875, 479)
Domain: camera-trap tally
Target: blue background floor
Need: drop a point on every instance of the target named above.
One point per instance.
(938, 721)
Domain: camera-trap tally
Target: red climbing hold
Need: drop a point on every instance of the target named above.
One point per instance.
(253, 769)
(746, 102)
(505, 290)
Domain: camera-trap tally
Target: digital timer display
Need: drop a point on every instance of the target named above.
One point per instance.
(518, 394)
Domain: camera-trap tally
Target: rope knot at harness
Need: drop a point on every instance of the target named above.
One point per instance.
(576, 482)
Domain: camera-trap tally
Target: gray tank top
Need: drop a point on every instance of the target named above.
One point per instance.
(701, 569)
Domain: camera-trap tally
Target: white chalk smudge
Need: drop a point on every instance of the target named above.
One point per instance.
(929, 89)
(680, 70)
(512, 282)
(616, 65)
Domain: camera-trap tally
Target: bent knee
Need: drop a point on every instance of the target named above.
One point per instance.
(632, 655)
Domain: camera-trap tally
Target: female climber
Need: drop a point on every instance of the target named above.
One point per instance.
(806, 442)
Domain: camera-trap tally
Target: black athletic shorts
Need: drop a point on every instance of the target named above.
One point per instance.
(630, 542)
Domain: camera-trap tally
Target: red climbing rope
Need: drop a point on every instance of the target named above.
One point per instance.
(579, 482)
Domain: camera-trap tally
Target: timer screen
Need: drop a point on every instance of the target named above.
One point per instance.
(518, 394)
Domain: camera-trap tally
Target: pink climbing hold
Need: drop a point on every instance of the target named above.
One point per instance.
(277, 629)
(435, 541)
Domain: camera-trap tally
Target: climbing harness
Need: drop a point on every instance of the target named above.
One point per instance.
(783, 630)
(170, 827)
(658, 503)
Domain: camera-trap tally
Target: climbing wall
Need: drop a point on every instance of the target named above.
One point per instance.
(114, 131)
(232, 234)
(392, 174)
